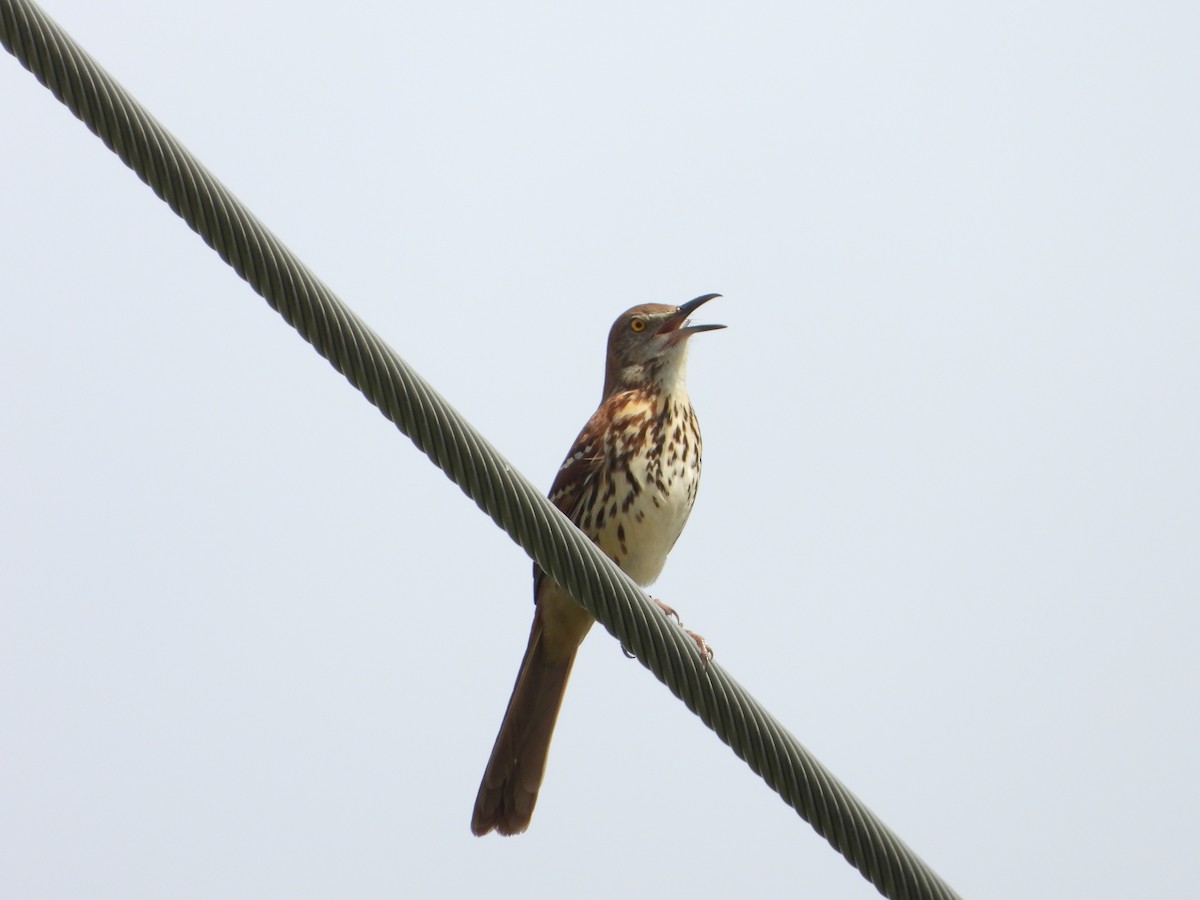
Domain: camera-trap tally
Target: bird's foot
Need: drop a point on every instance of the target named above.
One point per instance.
(706, 652)
(702, 646)
(668, 611)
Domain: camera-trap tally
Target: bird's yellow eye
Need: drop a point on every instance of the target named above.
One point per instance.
(637, 325)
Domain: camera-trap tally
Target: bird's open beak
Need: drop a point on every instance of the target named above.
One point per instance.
(677, 325)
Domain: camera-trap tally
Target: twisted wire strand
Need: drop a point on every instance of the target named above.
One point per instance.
(462, 453)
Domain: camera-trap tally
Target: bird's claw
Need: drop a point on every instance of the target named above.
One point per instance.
(706, 652)
(668, 611)
(702, 646)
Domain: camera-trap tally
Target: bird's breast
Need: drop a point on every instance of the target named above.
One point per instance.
(652, 473)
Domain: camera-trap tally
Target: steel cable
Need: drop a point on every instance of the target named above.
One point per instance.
(462, 453)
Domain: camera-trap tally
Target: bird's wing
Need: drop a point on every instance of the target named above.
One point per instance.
(578, 479)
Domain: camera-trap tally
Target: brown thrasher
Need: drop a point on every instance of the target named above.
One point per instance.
(628, 483)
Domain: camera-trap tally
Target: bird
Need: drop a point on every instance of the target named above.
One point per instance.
(628, 483)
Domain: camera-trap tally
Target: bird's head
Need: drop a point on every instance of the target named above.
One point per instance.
(648, 344)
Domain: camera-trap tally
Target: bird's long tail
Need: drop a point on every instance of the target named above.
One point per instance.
(514, 773)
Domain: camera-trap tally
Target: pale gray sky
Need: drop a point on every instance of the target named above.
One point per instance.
(254, 645)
